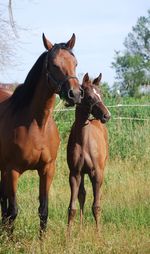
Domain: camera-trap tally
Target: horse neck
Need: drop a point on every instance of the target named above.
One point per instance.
(81, 116)
(36, 95)
(81, 125)
(43, 101)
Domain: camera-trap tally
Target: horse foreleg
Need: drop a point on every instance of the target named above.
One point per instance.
(81, 198)
(74, 181)
(12, 210)
(46, 176)
(96, 180)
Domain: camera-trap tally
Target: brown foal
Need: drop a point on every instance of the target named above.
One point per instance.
(87, 149)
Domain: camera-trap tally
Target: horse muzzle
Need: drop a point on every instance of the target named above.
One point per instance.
(76, 95)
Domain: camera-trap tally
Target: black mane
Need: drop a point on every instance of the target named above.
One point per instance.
(24, 92)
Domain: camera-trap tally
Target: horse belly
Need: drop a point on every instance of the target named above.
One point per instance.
(24, 158)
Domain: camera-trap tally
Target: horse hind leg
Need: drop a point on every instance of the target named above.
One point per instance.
(81, 199)
(96, 184)
(12, 210)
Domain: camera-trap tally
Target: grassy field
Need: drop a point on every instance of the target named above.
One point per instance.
(125, 216)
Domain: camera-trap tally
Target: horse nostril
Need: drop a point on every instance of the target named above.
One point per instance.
(70, 94)
(82, 93)
(107, 116)
(76, 96)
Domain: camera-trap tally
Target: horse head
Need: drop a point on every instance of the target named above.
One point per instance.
(93, 100)
(61, 66)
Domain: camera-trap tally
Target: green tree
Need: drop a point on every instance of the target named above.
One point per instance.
(133, 64)
(105, 89)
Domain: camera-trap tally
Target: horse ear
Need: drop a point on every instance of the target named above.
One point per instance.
(97, 80)
(85, 78)
(48, 45)
(71, 42)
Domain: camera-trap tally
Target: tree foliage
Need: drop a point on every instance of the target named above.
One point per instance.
(105, 90)
(133, 64)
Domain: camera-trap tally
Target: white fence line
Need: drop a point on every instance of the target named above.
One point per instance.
(114, 106)
(111, 106)
(125, 118)
(129, 105)
(131, 118)
(64, 109)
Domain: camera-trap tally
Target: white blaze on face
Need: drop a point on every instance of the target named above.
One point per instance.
(98, 95)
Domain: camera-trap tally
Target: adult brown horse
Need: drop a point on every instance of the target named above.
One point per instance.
(87, 148)
(29, 138)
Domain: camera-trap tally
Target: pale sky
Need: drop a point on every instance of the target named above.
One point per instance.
(100, 28)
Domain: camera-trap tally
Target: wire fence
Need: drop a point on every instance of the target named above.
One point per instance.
(128, 129)
(59, 110)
